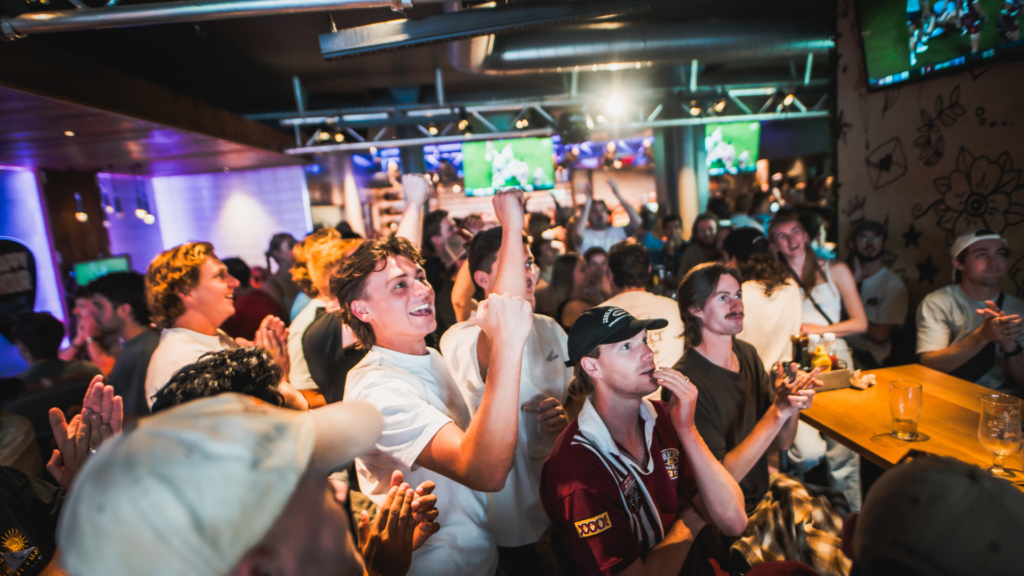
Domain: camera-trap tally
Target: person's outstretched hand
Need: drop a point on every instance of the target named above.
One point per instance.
(100, 420)
(273, 336)
(508, 207)
(505, 319)
(415, 188)
(388, 545)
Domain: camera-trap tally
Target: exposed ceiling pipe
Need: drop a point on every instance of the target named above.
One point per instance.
(614, 45)
(171, 12)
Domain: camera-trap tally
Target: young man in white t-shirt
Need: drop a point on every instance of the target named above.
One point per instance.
(500, 262)
(883, 293)
(970, 329)
(190, 294)
(428, 434)
(594, 227)
(629, 265)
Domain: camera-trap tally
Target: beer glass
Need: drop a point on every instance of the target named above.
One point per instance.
(999, 430)
(905, 398)
(538, 440)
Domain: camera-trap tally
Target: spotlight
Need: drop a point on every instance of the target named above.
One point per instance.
(81, 216)
(789, 100)
(432, 130)
(373, 149)
(720, 106)
(600, 119)
(519, 123)
(526, 123)
(615, 105)
(694, 109)
(149, 219)
(109, 209)
(140, 213)
(323, 136)
(339, 137)
(463, 124)
(69, 134)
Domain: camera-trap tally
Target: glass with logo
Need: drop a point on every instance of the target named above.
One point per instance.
(538, 440)
(905, 399)
(999, 430)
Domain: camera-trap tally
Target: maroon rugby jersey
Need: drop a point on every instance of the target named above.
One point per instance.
(597, 523)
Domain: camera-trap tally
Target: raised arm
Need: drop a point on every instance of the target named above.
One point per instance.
(481, 457)
(579, 231)
(858, 321)
(634, 218)
(721, 498)
(414, 191)
(790, 398)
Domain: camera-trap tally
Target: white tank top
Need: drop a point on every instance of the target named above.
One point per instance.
(828, 298)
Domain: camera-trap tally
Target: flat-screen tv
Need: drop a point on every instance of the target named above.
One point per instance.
(732, 147)
(911, 39)
(90, 270)
(525, 162)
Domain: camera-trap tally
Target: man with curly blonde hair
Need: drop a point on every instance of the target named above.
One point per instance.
(190, 294)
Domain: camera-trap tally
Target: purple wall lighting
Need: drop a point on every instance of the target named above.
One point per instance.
(22, 219)
(128, 233)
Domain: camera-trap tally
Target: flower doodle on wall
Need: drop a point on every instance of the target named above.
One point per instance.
(980, 193)
(931, 142)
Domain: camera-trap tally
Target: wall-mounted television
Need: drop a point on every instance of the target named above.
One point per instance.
(732, 147)
(525, 162)
(90, 270)
(907, 40)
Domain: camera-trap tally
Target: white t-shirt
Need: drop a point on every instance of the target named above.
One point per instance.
(417, 396)
(603, 238)
(178, 348)
(769, 321)
(667, 343)
(516, 514)
(298, 375)
(946, 316)
(885, 302)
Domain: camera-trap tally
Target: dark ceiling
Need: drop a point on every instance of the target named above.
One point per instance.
(245, 66)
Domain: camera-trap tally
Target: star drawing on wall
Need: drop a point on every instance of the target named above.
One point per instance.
(912, 237)
(926, 271)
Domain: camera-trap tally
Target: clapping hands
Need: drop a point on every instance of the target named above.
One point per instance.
(793, 396)
(100, 420)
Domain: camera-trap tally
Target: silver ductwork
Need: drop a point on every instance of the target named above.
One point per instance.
(624, 44)
(171, 12)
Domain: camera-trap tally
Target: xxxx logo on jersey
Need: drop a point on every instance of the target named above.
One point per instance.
(593, 526)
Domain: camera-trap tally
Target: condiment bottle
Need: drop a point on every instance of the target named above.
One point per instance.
(830, 349)
(820, 357)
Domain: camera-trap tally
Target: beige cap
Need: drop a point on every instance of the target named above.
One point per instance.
(190, 490)
(941, 517)
(964, 241)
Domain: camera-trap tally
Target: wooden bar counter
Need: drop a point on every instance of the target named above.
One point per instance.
(861, 420)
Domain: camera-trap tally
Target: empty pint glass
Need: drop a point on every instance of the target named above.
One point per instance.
(538, 440)
(905, 399)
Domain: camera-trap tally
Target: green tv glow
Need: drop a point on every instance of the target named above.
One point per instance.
(524, 162)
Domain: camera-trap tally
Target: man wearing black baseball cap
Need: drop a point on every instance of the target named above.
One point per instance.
(630, 483)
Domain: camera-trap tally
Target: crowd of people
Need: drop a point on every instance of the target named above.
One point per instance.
(534, 395)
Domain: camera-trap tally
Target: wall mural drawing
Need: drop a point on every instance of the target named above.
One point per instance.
(932, 142)
(979, 193)
(1017, 275)
(912, 237)
(926, 271)
(887, 163)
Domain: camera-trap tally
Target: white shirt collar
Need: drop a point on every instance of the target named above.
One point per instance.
(593, 427)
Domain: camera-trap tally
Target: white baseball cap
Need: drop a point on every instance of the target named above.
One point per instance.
(191, 489)
(964, 241)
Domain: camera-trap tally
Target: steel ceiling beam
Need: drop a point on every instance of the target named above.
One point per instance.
(540, 132)
(466, 24)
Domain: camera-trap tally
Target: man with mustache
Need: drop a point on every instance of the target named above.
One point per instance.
(883, 293)
(516, 515)
(743, 415)
(428, 430)
(630, 483)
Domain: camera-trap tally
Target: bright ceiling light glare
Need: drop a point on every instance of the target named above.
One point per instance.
(526, 123)
(81, 216)
(615, 105)
(720, 106)
(323, 136)
(463, 124)
(140, 213)
(456, 188)
(149, 219)
(601, 119)
(109, 209)
(789, 99)
(339, 137)
(69, 133)
(694, 109)
(638, 65)
(432, 130)
(373, 149)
